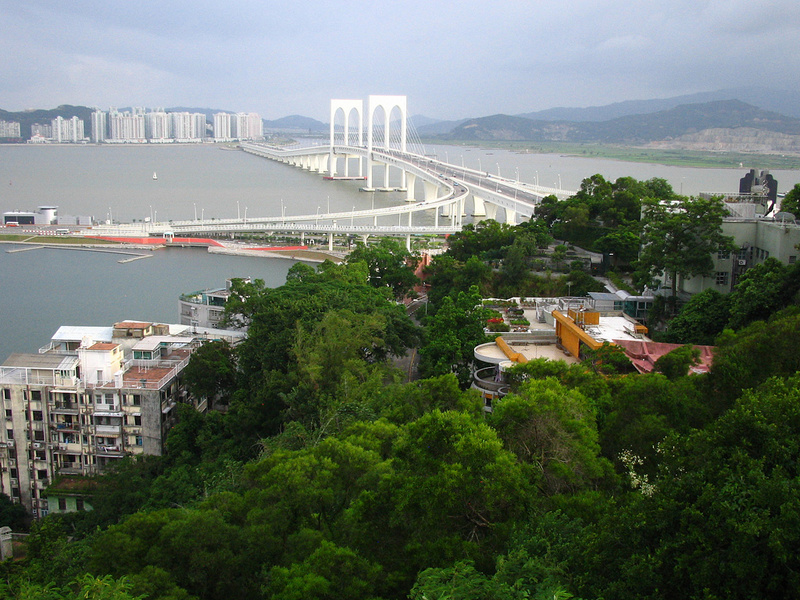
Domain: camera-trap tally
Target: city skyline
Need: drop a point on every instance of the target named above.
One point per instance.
(282, 59)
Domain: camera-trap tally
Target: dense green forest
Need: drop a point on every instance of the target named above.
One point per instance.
(325, 474)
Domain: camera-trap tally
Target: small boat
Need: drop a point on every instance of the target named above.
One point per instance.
(154, 176)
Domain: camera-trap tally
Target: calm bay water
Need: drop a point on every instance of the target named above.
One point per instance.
(43, 289)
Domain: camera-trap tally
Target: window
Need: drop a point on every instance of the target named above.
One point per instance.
(137, 419)
(36, 395)
(62, 504)
(37, 415)
(8, 413)
(723, 255)
(40, 455)
(79, 503)
(137, 400)
(792, 260)
(722, 278)
(6, 394)
(138, 440)
(10, 433)
(13, 473)
(41, 474)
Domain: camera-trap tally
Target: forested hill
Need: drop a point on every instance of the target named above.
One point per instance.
(634, 129)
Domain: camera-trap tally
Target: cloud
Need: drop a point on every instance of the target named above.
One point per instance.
(473, 59)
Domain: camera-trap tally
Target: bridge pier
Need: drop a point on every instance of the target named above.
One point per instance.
(386, 177)
(408, 242)
(431, 190)
(330, 242)
(479, 206)
(411, 182)
(511, 217)
(364, 238)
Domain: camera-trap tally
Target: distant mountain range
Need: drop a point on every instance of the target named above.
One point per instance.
(781, 101)
(297, 123)
(632, 129)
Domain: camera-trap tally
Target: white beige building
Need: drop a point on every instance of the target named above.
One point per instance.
(92, 396)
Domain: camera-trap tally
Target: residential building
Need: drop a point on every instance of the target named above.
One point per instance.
(99, 126)
(67, 131)
(205, 308)
(188, 127)
(158, 126)
(92, 396)
(223, 128)
(9, 129)
(246, 126)
(756, 239)
(126, 127)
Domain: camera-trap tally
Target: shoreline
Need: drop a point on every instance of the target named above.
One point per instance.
(312, 256)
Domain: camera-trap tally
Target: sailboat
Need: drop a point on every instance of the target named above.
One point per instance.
(154, 176)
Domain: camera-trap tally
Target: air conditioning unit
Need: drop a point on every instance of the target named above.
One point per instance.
(742, 262)
(10, 444)
(37, 445)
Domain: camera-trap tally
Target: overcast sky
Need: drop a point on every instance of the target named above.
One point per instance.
(453, 59)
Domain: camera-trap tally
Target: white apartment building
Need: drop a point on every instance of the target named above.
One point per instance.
(246, 126)
(9, 129)
(99, 126)
(223, 127)
(158, 126)
(90, 397)
(126, 127)
(188, 127)
(67, 131)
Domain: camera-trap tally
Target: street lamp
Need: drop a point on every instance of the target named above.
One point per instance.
(238, 216)
(195, 210)
(316, 223)
(352, 216)
(498, 169)
(517, 170)
(480, 168)
(559, 181)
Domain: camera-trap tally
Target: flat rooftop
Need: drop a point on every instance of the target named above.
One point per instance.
(495, 354)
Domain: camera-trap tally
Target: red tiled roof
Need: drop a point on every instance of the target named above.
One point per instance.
(643, 354)
(103, 346)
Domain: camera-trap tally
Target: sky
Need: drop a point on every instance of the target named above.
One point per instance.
(451, 59)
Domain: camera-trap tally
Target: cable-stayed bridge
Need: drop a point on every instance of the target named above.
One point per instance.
(432, 187)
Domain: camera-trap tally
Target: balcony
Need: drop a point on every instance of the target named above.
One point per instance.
(107, 429)
(70, 470)
(486, 381)
(110, 451)
(68, 408)
(67, 448)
